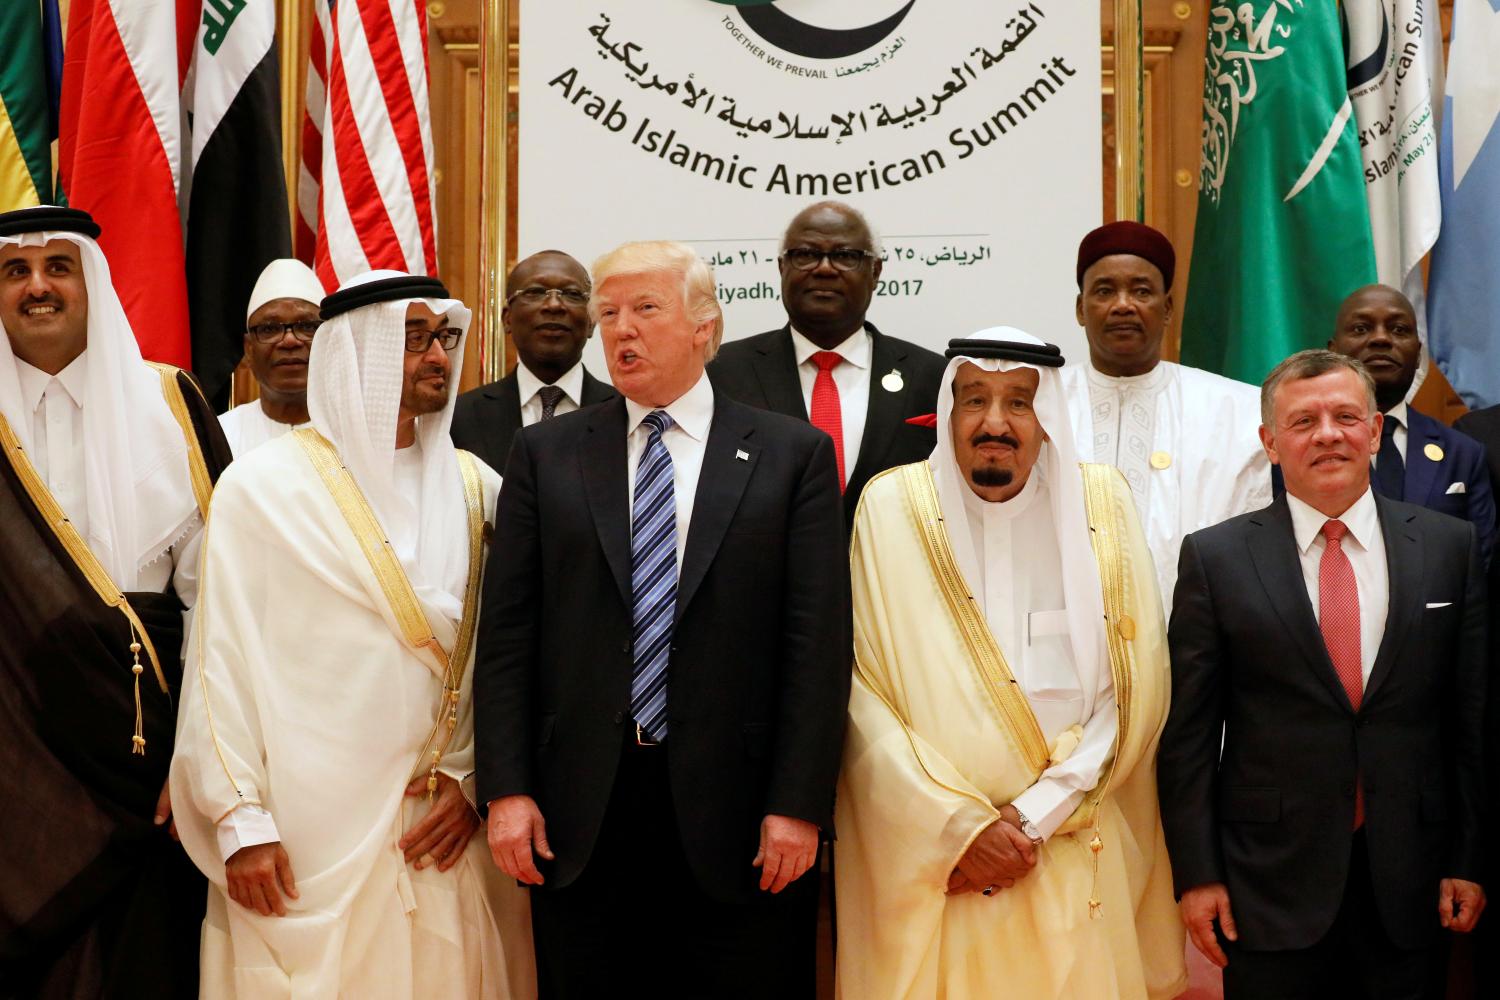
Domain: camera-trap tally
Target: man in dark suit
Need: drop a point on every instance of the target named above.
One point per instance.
(664, 664)
(1334, 642)
(858, 384)
(546, 316)
(1420, 460)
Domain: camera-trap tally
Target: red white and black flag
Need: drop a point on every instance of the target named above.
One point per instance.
(236, 202)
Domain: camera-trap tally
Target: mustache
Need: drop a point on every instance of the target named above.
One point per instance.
(430, 371)
(1004, 439)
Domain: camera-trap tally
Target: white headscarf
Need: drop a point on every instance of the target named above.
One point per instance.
(138, 490)
(285, 278)
(1057, 464)
(354, 378)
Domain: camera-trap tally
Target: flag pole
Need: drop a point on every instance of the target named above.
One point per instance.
(1130, 201)
(293, 61)
(494, 33)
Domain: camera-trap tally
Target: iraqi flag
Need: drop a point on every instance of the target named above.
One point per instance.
(236, 204)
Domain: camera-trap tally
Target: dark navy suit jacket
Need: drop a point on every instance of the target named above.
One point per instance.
(1456, 482)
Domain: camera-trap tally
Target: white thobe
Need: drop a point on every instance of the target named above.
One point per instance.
(247, 427)
(1021, 589)
(56, 403)
(302, 697)
(1187, 443)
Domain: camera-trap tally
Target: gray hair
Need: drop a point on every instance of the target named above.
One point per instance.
(1309, 364)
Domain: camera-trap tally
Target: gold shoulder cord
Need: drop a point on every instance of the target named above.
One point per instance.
(1106, 537)
(83, 557)
(203, 486)
(995, 672)
(394, 582)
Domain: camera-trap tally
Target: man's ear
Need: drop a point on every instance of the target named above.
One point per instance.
(1268, 442)
(1166, 309)
(1078, 308)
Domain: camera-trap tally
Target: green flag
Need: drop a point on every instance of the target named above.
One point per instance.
(25, 145)
(1283, 230)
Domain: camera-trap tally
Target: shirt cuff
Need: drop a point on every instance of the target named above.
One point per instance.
(1047, 804)
(248, 825)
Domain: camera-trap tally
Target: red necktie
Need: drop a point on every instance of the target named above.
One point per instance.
(1338, 618)
(826, 414)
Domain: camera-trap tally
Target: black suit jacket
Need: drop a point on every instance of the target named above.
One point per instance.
(1273, 817)
(761, 371)
(761, 652)
(487, 418)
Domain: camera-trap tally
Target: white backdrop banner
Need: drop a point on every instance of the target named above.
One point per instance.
(968, 134)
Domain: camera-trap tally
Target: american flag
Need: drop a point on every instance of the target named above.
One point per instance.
(365, 191)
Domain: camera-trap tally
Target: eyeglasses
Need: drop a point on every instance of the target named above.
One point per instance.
(842, 258)
(535, 295)
(270, 333)
(420, 341)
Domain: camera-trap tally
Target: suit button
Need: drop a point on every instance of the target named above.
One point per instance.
(674, 648)
(619, 717)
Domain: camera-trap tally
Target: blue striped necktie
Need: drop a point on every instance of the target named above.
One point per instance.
(653, 578)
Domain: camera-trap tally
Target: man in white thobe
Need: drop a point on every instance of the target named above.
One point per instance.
(1185, 439)
(280, 322)
(326, 725)
(998, 831)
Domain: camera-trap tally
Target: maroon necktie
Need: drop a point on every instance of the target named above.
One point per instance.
(1338, 618)
(826, 414)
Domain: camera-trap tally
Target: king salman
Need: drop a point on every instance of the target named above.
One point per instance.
(109, 464)
(326, 728)
(998, 830)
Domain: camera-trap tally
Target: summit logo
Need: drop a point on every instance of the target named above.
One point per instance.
(850, 32)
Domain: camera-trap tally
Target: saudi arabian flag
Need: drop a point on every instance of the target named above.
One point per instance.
(1283, 231)
(27, 103)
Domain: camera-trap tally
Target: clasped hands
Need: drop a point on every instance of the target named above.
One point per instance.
(1000, 857)
(518, 835)
(260, 877)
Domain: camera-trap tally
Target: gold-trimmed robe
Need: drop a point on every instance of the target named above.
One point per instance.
(940, 737)
(308, 694)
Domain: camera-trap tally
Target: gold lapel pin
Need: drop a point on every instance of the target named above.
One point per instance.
(892, 382)
(1433, 452)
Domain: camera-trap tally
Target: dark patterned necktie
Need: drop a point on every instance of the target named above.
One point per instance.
(550, 395)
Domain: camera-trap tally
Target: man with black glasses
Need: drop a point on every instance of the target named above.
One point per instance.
(830, 366)
(546, 315)
(280, 321)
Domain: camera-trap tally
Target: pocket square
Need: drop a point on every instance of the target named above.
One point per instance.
(1440, 604)
(1457, 488)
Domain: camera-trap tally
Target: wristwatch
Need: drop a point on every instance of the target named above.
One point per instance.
(1028, 828)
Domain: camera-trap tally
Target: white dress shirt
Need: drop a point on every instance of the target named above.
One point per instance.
(1398, 414)
(1021, 590)
(56, 404)
(528, 385)
(685, 440)
(852, 379)
(1365, 546)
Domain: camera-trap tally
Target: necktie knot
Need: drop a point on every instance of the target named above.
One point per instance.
(827, 361)
(1334, 531)
(658, 421)
(1388, 428)
(550, 395)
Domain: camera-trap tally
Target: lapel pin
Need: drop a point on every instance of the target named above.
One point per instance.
(743, 456)
(1433, 452)
(892, 382)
